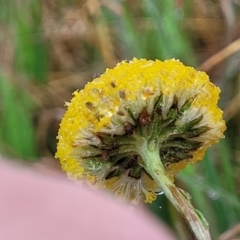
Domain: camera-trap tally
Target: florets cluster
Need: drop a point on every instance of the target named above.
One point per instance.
(166, 101)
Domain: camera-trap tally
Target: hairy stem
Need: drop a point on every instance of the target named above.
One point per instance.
(153, 165)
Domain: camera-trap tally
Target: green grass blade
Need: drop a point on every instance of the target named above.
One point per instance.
(170, 41)
(227, 168)
(16, 122)
(30, 51)
(225, 204)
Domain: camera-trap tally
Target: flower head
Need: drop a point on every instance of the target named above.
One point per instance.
(167, 102)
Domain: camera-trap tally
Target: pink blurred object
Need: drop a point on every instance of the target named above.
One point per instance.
(34, 206)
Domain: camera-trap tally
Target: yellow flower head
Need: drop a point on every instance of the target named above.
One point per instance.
(174, 105)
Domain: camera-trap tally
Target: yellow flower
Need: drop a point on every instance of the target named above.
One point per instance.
(166, 102)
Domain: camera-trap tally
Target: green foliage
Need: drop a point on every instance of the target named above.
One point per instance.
(30, 55)
(213, 190)
(17, 132)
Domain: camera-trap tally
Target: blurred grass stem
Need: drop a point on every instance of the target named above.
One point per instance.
(220, 56)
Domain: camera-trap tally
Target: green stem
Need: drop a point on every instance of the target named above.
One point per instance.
(153, 165)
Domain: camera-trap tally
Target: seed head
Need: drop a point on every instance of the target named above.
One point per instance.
(168, 102)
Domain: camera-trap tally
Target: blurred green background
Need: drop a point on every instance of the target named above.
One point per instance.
(50, 48)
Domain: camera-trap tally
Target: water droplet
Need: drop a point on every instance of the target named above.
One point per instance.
(159, 193)
(214, 195)
(200, 179)
(178, 13)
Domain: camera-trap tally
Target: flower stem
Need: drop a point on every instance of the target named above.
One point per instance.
(153, 165)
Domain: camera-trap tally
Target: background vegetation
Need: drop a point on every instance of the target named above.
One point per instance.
(49, 48)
